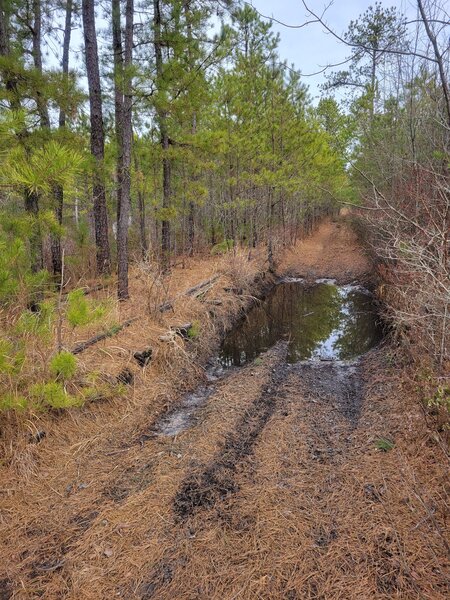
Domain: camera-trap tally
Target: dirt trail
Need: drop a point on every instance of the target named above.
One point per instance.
(276, 491)
(332, 251)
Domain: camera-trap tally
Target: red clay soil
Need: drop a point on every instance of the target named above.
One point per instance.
(277, 490)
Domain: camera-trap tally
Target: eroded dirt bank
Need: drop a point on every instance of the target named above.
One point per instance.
(276, 490)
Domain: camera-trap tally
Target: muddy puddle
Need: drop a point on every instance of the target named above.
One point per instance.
(323, 321)
(319, 322)
(183, 415)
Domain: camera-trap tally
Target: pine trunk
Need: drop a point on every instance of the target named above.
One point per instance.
(58, 192)
(118, 97)
(141, 209)
(7, 75)
(97, 137)
(164, 140)
(126, 137)
(191, 216)
(32, 208)
(37, 59)
(55, 238)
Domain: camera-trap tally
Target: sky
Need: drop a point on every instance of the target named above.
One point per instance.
(311, 48)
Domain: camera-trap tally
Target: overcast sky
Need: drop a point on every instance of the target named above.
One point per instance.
(310, 48)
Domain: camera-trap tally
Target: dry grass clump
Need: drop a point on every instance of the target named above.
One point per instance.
(155, 285)
(238, 267)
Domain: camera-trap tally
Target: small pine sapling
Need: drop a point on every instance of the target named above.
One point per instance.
(54, 395)
(82, 312)
(63, 365)
(11, 401)
(11, 359)
(194, 330)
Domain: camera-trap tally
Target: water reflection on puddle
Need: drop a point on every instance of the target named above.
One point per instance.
(321, 321)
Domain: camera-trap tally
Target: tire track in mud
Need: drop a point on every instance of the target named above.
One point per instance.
(337, 382)
(326, 402)
(216, 480)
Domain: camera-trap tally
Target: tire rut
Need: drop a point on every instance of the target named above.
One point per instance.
(216, 480)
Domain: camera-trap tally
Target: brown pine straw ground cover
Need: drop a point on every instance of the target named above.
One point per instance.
(277, 490)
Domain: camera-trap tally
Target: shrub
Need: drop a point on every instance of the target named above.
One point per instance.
(63, 365)
(54, 395)
(11, 401)
(81, 312)
(222, 247)
(194, 330)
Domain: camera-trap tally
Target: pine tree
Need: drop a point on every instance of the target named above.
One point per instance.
(97, 136)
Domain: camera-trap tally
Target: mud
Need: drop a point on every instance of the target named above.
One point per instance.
(336, 382)
(183, 415)
(216, 480)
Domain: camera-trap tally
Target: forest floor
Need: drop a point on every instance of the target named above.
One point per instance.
(277, 490)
